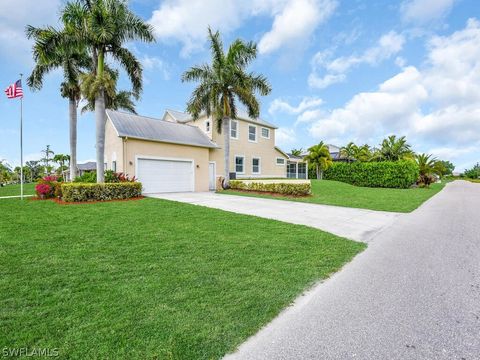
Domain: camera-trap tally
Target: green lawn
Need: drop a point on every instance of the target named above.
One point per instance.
(150, 279)
(11, 190)
(341, 194)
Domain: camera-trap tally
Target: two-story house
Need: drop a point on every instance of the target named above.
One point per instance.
(176, 153)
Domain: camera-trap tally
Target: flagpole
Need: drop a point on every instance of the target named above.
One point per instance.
(21, 143)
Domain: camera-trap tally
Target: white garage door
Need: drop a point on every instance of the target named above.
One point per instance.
(159, 176)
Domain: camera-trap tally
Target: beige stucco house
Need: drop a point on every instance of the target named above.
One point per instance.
(176, 154)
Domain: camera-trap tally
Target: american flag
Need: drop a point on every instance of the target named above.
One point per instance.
(14, 90)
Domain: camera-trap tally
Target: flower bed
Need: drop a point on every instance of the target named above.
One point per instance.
(49, 187)
(293, 188)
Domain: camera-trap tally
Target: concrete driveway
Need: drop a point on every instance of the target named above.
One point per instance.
(413, 294)
(356, 224)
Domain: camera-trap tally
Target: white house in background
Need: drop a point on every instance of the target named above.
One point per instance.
(176, 153)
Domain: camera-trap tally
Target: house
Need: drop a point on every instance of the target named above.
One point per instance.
(87, 167)
(176, 153)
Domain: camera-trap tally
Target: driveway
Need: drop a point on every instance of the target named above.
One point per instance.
(413, 294)
(356, 224)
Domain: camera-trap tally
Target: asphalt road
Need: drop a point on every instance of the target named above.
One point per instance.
(413, 294)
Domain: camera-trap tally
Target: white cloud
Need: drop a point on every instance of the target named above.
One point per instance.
(285, 137)
(334, 71)
(186, 21)
(424, 11)
(14, 16)
(154, 63)
(437, 106)
(296, 22)
(279, 105)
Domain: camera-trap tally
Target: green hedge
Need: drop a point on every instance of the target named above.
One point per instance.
(385, 174)
(285, 188)
(77, 192)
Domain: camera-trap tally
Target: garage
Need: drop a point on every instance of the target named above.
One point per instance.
(165, 175)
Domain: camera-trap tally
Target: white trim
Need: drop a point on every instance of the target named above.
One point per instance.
(149, 157)
(259, 165)
(238, 129)
(261, 132)
(284, 161)
(214, 175)
(256, 133)
(235, 164)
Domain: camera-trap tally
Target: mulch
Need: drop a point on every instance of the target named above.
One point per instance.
(61, 202)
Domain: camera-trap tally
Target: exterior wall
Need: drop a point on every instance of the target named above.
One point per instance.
(113, 148)
(263, 148)
(199, 155)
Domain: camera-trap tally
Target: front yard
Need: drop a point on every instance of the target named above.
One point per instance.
(150, 278)
(337, 193)
(14, 190)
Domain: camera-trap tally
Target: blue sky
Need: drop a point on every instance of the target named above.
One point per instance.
(340, 70)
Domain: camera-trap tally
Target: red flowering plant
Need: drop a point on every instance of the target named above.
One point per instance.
(114, 177)
(49, 187)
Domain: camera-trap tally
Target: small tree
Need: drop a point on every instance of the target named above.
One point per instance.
(62, 160)
(297, 152)
(319, 157)
(349, 151)
(427, 169)
(393, 149)
(47, 158)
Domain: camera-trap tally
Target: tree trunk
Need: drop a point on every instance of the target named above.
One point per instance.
(226, 153)
(100, 135)
(321, 174)
(73, 138)
(317, 169)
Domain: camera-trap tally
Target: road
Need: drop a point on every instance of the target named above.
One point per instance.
(413, 294)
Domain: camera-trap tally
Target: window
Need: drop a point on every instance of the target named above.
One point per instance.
(207, 126)
(252, 133)
(234, 129)
(114, 166)
(256, 166)
(266, 133)
(280, 161)
(239, 164)
(292, 170)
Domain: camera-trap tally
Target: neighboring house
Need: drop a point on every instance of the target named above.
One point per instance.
(89, 166)
(178, 154)
(335, 153)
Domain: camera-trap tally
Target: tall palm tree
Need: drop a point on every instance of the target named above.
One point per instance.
(393, 149)
(319, 156)
(104, 26)
(224, 83)
(72, 61)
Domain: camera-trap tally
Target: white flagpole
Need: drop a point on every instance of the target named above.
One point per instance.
(21, 142)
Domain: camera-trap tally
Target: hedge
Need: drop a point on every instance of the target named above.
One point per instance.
(285, 188)
(384, 174)
(76, 192)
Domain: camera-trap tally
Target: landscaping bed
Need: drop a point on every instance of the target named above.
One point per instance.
(279, 187)
(150, 278)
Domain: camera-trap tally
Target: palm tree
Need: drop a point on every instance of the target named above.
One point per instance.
(47, 157)
(349, 151)
(104, 26)
(61, 160)
(222, 84)
(393, 149)
(363, 153)
(427, 168)
(319, 156)
(297, 152)
(114, 100)
(72, 61)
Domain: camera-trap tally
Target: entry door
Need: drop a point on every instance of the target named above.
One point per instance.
(211, 175)
(161, 176)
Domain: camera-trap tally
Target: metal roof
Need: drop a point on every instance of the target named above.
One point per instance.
(145, 128)
(241, 114)
(91, 165)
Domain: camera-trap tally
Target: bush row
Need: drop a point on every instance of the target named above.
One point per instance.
(386, 174)
(76, 192)
(286, 188)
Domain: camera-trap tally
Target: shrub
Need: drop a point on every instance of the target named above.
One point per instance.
(386, 174)
(87, 177)
(285, 188)
(49, 187)
(77, 192)
(114, 177)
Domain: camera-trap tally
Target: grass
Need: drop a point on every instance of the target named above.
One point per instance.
(341, 194)
(150, 278)
(12, 190)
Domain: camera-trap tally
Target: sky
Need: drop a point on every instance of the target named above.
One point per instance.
(341, 71)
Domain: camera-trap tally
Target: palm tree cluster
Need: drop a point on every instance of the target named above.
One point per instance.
(223, 84)
(319, 157)
(93, 31)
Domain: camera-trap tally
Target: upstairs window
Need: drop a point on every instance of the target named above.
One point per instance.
(266, 133)
(252, 133)
(234, 129)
